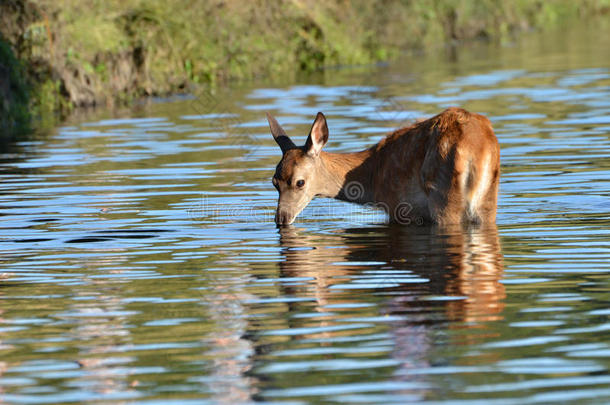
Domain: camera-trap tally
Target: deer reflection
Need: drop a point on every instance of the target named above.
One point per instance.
(463, 267)
(313, 257)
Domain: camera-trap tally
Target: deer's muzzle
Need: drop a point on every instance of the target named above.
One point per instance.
(284, 217)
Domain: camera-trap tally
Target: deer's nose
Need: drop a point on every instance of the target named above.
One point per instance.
(282, 217)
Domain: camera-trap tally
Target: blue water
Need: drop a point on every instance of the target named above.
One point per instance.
(140, 264)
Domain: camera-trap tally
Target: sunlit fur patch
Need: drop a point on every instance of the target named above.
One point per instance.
(480, 188)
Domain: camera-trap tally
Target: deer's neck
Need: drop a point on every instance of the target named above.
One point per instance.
(347, 176)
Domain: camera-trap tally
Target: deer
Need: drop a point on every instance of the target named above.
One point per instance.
(443, 170)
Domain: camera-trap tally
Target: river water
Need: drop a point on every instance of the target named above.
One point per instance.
(140, 264)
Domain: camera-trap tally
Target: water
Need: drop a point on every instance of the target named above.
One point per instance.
(139, 262)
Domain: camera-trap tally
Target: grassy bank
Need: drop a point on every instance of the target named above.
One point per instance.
(101, 52)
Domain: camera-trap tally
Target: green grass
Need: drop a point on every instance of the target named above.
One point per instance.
(109, 51)
(14, 94)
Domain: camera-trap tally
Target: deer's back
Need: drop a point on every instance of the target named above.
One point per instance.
(446, 168)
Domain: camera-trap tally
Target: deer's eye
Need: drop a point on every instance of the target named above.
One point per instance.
(300, 183)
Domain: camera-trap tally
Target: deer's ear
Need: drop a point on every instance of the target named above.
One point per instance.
(318, 136)
(279, 134)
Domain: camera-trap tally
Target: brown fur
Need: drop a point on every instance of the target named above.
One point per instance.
(443, 170)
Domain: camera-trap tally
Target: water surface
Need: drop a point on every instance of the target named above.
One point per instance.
(140, 264)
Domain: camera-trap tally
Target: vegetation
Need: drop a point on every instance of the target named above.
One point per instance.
(107, 51)
(14, 116)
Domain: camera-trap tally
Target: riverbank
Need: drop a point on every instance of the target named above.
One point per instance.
(59, 55)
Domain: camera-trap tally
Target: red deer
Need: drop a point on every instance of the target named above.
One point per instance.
(442, 170)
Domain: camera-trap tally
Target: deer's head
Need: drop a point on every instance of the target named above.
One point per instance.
(298, 177)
